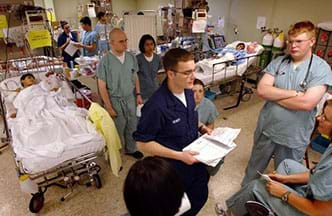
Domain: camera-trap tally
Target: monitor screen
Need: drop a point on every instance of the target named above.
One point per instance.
(219, 41)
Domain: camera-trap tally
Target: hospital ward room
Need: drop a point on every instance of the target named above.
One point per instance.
(165, 107)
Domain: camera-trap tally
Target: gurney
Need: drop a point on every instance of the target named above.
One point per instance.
(53, 141)
(228, 66)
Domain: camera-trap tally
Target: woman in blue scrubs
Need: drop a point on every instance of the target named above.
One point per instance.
(207, 111)
(149, 63)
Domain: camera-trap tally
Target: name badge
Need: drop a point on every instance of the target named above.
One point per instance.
(176, 121)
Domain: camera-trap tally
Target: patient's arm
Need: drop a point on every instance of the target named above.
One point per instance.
(267, 91)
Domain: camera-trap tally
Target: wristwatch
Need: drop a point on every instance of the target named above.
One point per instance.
(297, 93)
(284, 197)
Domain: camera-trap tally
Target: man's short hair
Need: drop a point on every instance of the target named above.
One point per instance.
(86, 21)
(142, 41)
(63, 23)
(100, 15)
(153, 187)
(302, 27)
(174, 56)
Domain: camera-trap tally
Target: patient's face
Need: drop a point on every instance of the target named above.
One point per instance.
(325, 121)
(28, 81)
(198, 93)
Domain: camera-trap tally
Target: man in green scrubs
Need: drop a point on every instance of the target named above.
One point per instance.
(118, 84)
(292, 86)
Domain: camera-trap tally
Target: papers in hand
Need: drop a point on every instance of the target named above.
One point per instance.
(264, 176)
(71, 48)
(212, 148)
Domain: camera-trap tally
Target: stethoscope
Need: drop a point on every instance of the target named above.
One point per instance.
(304, 83)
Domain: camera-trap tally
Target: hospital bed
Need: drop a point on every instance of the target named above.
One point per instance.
(62, 157)
(227, 67)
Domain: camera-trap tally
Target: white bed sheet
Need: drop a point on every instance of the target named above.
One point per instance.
(227, 73)
(38, 164)
(49, 130)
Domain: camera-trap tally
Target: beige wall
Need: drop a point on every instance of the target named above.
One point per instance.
(288, 12)
(278, 13)
(119, 6)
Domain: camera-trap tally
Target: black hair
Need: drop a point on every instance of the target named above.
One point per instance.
(140, 13)
(63, 23)
(142, 41)
(199, 82)
(86, 20)
(174, 56)
(100, 15)
(153, 188)
(25, 76)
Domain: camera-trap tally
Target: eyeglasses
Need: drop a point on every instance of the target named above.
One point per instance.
(187, 73)
(296, 42)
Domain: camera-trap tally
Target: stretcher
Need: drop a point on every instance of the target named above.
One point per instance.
(54, 157)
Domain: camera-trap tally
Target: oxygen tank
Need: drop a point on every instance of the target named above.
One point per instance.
(267, 53)
(278, 45)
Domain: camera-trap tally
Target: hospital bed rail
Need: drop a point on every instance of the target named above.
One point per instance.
(250, 69)
(79, 170)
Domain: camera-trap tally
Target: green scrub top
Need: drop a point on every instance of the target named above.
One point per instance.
(207, 111)
(120, 78)
(320, 181)
(292, 128)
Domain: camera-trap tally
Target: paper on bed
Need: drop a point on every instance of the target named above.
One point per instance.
(212, 148)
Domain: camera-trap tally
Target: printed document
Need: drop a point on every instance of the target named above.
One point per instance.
(212, 148)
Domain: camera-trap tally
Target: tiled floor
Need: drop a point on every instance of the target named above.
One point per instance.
(108, 200)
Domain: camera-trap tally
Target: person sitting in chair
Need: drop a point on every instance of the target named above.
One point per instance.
(292, 189)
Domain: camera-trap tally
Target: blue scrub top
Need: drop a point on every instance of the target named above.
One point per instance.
(167, 121)
(89, 38)
(320, 181)
(147, 74)
(207, 111)
(280, 124)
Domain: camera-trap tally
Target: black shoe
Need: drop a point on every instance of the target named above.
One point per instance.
(137, 155)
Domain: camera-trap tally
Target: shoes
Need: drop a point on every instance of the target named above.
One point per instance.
(220, 211)
(137, 155)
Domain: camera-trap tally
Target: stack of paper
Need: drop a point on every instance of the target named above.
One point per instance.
(212, 148)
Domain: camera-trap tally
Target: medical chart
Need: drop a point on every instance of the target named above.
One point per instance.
(212, 148)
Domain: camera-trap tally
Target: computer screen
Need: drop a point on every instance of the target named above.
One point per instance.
(219, 41)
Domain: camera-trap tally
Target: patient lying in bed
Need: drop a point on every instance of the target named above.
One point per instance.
(47, 124)
(27, 80)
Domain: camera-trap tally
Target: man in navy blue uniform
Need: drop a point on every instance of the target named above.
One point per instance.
(169, 123)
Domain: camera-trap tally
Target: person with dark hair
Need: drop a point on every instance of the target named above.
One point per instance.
(148, 63)
(292, 86)
(103, 29)
(89, 38)
(292, 189)
(207, 111)
(153, 188)
(169, 123)
(118, 85)
(27, 80)
(64, 39)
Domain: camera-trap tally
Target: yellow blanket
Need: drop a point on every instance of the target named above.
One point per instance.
(105, 126)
